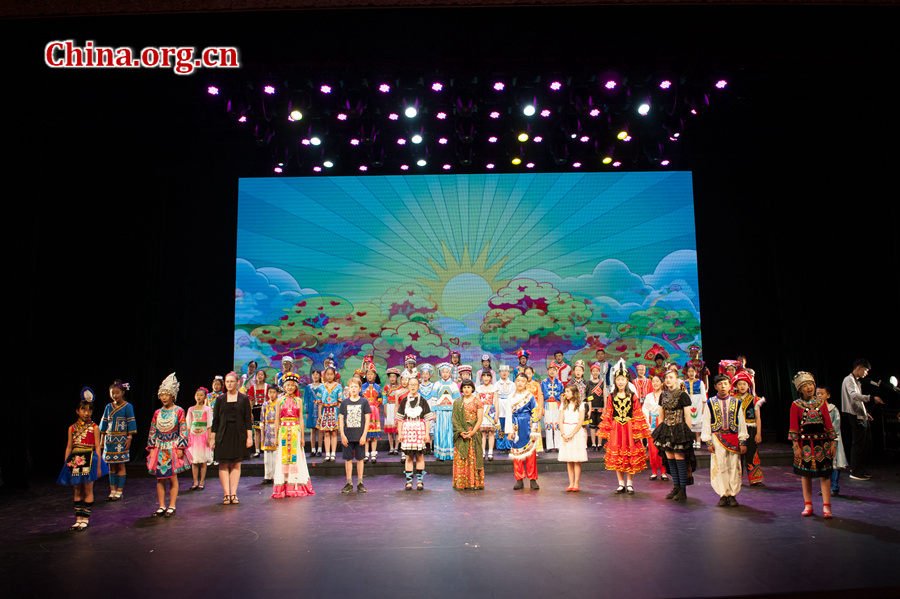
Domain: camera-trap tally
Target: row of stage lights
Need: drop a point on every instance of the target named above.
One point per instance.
(411, 111)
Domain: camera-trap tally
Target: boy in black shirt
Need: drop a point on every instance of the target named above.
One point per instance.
(353, 420)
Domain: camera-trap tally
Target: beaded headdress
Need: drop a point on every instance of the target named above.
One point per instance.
(169, 385)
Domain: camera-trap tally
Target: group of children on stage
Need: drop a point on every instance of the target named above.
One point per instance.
(651, 415)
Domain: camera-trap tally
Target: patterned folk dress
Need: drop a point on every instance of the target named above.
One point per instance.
(813, 437)
(82, 463)
(116, 425)
(168, 434)
(331, 396)
(371, 392)
(623, 426)
(199, 419)
(291, 472)
(468, 462)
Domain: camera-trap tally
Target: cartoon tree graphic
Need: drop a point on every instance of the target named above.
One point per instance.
(534, 315)
(411, 300)
(401, 336)
(673, 326)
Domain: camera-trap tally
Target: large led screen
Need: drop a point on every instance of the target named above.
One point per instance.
(481, 264)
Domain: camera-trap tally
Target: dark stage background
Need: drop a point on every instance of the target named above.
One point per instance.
(127, 187)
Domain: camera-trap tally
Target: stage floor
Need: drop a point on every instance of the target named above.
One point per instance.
(444, 543)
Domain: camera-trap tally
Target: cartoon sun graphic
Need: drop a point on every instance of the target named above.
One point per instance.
(463, 285)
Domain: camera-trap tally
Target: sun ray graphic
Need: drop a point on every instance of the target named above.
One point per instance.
(463, 285)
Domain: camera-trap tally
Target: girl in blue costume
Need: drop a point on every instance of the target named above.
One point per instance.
(505, 388)
(426, 390)
(311, 399)
(117, 428)
(445, 392)
(83, 464)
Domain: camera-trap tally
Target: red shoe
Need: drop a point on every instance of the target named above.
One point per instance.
(826, 511)
(575, 489)
(808, 509)
(569, 489)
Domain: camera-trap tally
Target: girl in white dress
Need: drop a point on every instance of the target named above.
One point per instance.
(573, 449)
(487, 396)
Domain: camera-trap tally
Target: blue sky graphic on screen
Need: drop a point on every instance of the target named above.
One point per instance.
(427, 264)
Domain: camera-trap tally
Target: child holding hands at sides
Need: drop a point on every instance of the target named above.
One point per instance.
(291, 472)
(83, 464)
(117, 427)
(413, 417)
(199, 418)
(573, 438)
(327, 422)
(167, 444)
(353, 419)
(269, 429)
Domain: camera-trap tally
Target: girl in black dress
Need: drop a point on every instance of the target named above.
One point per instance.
(673, 434)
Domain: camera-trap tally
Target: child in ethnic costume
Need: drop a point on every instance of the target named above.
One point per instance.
(595, 402)
(623, 426)
(199, 418)
(371, 392)
(327, 422)
(673, 436)
(642, 384)
(523, 355)
(410, 367)
(487, 395)
(218, 389)
(725, 433)
(269, 430)
(505, 389)
(573, 438)
(813, 437)
(389, 400)
(291, 473)
(698, 392)
(468, 451)
(444, 394)
(698, 364)
(839, 462)
(652, 411)
(83, 464)
(167, 445)
(523, 429)
(257, 393)
(311, 399)
(455, 363)
(750, 404)
(413, 416)
(117, 428)
(551, 390)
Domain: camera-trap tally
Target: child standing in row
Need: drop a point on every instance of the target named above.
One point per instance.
(269, 430)
(199, 418)
(487, 397)
(839, 462)
(725, 433)
(167, 446)
(413, 416)
(813, 438)
(371, 392)
(291, 473)
(623, 426)
(652, 411)
(573, 445)
(353, 418)
(327, 422)
(389, 401)
(83, 464)
(117, 428)
(311, 399)
(551, 389)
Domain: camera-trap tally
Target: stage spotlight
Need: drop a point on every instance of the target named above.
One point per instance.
(529, 165)
(584, 139)
(617, 164)
(693, 111)
(304, 141)
(442, 141)
(665, 163)
(437, 86)
(393, 116)
(576, 165)
(404, 167)
(499, 86)
(416, 139)
(242, 119)
(441, 115)
(528, 110)
(627, 138)
(517, 161)
(607, 160)
(325, 89)
(317, 169)
(643, 109)
(665, 84)
(523, 137)
(721, 83)
(328, 164)
(492, 139)
(537, 139)
(384, 88)
(446, 167)
(893, 380)
(315, 141)
(421, 162)
(212, 90)
(411, 112)
(296, 115)
(401, 141)
(494, 114)
(489, 165)
(354, 142)
(622, 134)
(278, 169)
(341, 116)
(363, 167)
(610, 85)
(555, 86)
(269, 89)
(595, 112)
(545, 113)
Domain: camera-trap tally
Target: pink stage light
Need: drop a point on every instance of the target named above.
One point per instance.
(242, 119)
(665, 163)
(595, 112)
(441, 115)
(494, 114)
(694, 112)
(617, 164)
(354, 142)
(401, 141)
(437, 86)
(325, 89)
(665, 84)
(556, 86)
(537, 139)
(278, 169)
(384, 88)
(489, 165)
(393, 116)
(317, 169)
(545, 113)
(529, 165)
(610, 85)
(212, 90)
(499, 86)
(304, 141)
(585, 139)
(341, 116)
(269, 89)
(576, 165)
(492, 139)
(404, 167)
(363, 167)
(721, 83)
(442, 141)
(446, 167)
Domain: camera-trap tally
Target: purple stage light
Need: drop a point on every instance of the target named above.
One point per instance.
(446, 167)
(278, 169)
(494, 114)
(442, 141)
(610, 84)
(694, 112)
(363, 167)
(665, 163)
(354, 142)
(404, 167)
(401, 142)
(499, 86)
(212, 90)
(556, 86)
(595, 112)
(545, 113)
(665, 84)
(492, 139)
(242, 119)
(489, 165)
(384, 88)
(269, 89)
(537, 139)
(437, 86)
(441, 115)
(325, 89)
(626, 138)
(393, 116)
(584, 139)
(676, 135)
(529, 165)
(341, 116)
(304, 141)
(617, 164)
(576, 165)
(721, 83)
(317, 169)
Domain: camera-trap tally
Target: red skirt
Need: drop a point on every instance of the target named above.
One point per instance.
(624, 453)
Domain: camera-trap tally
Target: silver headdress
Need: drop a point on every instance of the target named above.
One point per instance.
(169, 385)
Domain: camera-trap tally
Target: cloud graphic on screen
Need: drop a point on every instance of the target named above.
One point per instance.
(676, 272)
(262, 294)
